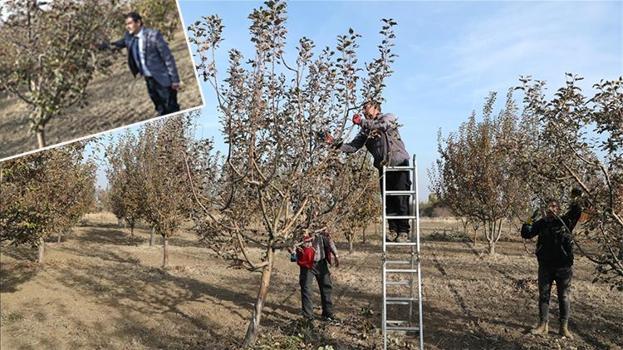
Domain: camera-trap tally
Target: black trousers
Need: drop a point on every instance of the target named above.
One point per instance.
(562, 277)
(397, 205)
(163, 97)
(320, 271)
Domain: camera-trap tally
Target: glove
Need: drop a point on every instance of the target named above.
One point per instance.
(357, 119)
(325, 136)
(328, 139)
(525, 229)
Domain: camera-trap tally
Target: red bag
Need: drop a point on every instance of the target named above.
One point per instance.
(305, 257)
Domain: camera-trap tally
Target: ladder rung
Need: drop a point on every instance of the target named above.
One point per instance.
(396, 321)
(396, 302)
(398, 283)
(400, 299)
(401, 270)
(398, 262)
(398, 168)
(402, 329)
(399, 193)
(399, 217)
(401, 243)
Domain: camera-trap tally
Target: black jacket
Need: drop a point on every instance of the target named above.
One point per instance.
(554, 247)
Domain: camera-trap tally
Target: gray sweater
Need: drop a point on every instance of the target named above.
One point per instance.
(318, 245)
(382, 140)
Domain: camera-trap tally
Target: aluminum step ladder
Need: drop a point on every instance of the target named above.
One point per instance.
(402, 277)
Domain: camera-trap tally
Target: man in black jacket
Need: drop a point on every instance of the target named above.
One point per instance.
(555, 256)
(149, 55)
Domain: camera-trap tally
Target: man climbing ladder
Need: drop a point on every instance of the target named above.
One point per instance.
(379, 133)
(398, 182)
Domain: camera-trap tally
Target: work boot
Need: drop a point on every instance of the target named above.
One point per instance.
(391, 233)
(402, 237)
(541, 329)
(564, 329)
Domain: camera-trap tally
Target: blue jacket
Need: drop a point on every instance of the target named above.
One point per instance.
(158, 57)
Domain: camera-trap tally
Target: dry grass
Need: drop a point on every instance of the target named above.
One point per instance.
(103, 289)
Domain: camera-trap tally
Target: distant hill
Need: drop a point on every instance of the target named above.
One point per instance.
(114, 100)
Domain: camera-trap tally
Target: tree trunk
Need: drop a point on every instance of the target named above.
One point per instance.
(165, 252)
(475, 236)
(492, 248)
(152, 238)
(491, 237)
(40, 137)
(132, 229)
(350, 244)
(59, 238)
(363, 235)
(252, 329)
(41, 251)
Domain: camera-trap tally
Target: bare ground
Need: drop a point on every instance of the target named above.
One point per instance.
(102, 289)
(114, 100)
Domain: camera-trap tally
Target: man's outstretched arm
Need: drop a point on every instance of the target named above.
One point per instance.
(354, 145)
(572, 216)
(113, 45)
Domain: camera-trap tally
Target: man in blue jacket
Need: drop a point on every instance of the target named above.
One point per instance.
(555, 256)
(149, 55)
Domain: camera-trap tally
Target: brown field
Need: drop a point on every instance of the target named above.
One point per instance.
(102, 289)
(114, 100)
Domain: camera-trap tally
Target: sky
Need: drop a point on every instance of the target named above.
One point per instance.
(450, 54)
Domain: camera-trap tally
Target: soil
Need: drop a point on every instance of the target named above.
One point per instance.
(114, 100)
(100, 288)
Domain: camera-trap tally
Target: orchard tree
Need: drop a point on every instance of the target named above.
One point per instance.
(279, 177)
(159, 14)
(44, 194)
(47, 54)
(164, 147)
(126, 192)
(474, 175)
(581, 145)
(363, 205)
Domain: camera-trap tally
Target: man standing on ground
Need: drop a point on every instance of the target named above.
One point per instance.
(149, 55)
(379, 133)
(314, 255)
(554, 251)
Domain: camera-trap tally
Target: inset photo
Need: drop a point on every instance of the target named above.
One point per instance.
(70, 69)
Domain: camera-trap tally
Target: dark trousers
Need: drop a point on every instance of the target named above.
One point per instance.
(562, 276)
(163, 97)
(397, 205)
(320, 271)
